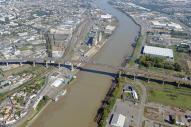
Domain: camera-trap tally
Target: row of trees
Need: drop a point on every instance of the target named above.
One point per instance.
(109, 104)
(180, 34)
(149, 61)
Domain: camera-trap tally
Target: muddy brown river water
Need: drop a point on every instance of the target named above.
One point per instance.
(78, 108)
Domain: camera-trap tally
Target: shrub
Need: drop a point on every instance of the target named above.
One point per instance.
(149, 61)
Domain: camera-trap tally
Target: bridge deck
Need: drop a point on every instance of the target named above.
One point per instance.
(130, 71)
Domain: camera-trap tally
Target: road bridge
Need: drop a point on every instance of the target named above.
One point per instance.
(134, 72)
(54, 61)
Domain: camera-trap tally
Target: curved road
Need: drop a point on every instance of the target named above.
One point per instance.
(142, 104)
(78, 108)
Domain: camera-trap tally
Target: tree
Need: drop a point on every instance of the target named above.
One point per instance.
(168, 65)
(102, 123)
(177, 67)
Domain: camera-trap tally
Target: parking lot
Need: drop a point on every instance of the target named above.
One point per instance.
(129, 110)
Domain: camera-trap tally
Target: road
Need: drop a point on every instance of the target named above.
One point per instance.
(138, 72)
(142, 103)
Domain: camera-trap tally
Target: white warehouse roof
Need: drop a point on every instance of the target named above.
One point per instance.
(164, 52)
(118, 120)
(57, 83)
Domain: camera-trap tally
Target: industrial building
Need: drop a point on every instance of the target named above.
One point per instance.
(93, 38)
(58, 38)
(118, 120)
(4, 83)
(57, 42)
(163, 22)
(90, 41)
(109, 29)
(157, 51)
(106, 16)
(57, 82)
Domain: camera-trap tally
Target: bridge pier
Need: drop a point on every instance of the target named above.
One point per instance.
(119, 74)
(72, 67)
(34, 63)
(46, 64)
(7, 64)
(134, 77)
(178, 84)
(59, 66)
(21, 63)
(148, 80)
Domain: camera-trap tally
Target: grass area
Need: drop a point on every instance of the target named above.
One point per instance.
(1, 72)
(136, 51)
(24, 48)
(166, 94)
(16, 70)
(2, 96)
(181, 58)
(34, 86)
(169, 95)
(42, 103)
(34, 70)
(177, 55)
(170, 98)
(127, 94)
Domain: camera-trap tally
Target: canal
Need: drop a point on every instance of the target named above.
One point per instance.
(78, 108)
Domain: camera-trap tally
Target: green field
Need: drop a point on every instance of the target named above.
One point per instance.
(169, 95)
(170, 98)
(42, 103)
(181, 58)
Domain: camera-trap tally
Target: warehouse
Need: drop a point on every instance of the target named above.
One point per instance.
(118, 120)
(157, 51)
(57, 82)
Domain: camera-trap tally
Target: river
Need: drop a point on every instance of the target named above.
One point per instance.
(78, 108)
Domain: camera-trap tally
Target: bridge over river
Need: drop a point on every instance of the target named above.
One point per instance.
(76, 64)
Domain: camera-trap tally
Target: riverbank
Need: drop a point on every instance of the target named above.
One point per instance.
(32, 116)
(138, 40)
(108, 103)
(29, 123)
(35, 114)
(113, 92)
(85, 95)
